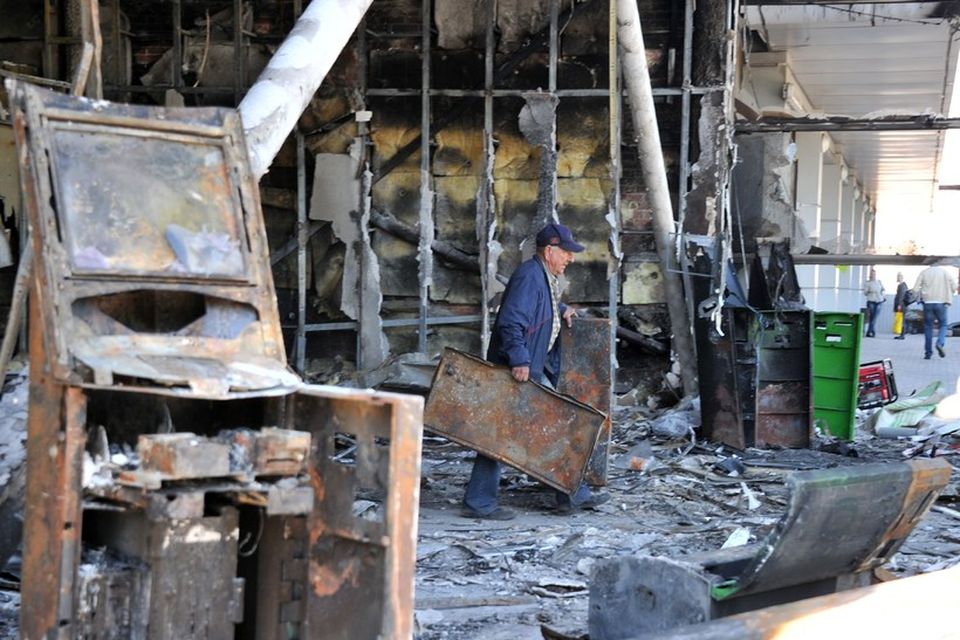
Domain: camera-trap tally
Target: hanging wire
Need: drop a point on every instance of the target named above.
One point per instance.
(246, 542)
(875, 16)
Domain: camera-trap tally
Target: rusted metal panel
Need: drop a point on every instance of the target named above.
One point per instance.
(756, 378)
(268, 451)
(365, 470)
(586, 373)
(784, 398)
(52, 516)
(282, 585)
(543, 433)
(727, 366)
(280, 452)
(112, 601)
(192, 589)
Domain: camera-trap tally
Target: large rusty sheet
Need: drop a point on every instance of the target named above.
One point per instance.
(543, 433)
(586, 373)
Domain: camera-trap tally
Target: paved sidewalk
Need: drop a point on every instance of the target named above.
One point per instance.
(909, 368)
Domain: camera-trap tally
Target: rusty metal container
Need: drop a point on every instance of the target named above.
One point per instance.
(543, 433)
(756, 379)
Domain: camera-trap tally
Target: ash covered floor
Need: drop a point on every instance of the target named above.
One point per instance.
(529, 577)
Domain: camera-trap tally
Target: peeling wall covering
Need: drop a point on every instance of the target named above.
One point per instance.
(538, 123)
(702, 198)
(334, 177)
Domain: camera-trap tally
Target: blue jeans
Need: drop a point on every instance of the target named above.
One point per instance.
(931, 311)
(481, 493)
(873, 309)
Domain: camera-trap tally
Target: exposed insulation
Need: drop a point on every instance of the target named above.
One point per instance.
(642, 283)
(459, 152)
(399, 195)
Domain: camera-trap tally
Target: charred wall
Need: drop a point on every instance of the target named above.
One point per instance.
(381, 72)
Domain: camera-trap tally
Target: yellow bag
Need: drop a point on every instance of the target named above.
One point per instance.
(897, 322)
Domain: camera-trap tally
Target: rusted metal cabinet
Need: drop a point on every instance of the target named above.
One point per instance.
(153, 309)
(756, 378)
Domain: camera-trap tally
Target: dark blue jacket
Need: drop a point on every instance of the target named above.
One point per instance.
(522, 329)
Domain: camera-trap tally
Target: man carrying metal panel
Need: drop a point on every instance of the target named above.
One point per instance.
(525, 339)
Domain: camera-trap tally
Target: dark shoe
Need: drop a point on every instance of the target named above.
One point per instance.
(943, 354)
(594, 501)
(500, 513)
(899, 337)
(927, 356)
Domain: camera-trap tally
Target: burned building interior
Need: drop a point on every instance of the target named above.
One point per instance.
(252, 258)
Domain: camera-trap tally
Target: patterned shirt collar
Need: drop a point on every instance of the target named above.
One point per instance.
(554, 282)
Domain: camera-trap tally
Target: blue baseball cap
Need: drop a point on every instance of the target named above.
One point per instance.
(557, 235)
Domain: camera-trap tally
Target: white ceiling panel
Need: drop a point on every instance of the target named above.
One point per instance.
(870, 58)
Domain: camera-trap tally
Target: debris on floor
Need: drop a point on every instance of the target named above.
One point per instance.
(671, 498)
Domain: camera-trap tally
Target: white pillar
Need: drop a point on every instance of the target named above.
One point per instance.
(826, 297)
(858, 217)
(849, 288)
(809, 183)
(809, 180)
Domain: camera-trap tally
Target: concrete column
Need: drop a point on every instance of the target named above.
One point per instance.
(826, 296)
(809, 180)
(859, 224)
(809, 183)
(849, 288)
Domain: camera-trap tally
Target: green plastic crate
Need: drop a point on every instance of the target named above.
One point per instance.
(836, 370)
